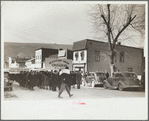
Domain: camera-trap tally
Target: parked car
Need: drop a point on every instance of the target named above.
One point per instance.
(95, 78)
(7, 82)
(122, 80)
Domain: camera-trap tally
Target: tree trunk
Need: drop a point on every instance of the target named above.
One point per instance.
(112, 66)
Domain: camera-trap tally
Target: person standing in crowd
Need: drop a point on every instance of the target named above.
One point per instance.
(32, 80)
(65, 77)
(46, 81)
(78, 78)
(106, 74)
(27, 80)
(59, 80)
(50, 79)
(84, 79)
(54, 79)
(40, 79)
(73, 77)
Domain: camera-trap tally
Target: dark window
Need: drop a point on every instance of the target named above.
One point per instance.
(97, 55)
(118, 75)
(76, 56)
(82, 55)
(130, 69)
(13, 61)
(121, 56)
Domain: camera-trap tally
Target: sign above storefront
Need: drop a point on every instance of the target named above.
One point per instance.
(53, 63)
(58, 61)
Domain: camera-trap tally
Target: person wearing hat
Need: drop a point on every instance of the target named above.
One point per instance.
(78, 78)
(65, 78)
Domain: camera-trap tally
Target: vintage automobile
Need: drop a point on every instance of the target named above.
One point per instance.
(7, 82)
(95, 78)
(122, 80)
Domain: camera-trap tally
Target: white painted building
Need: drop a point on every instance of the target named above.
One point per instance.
(79, 60)
(41, 54)
(30, 63)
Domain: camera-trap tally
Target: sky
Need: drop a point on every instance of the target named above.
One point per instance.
(48, 22)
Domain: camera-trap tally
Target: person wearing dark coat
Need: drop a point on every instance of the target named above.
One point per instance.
(54, 81)
(73, 76)
(21, 78)
(27, 79)
(65, 78)
(106, 74)
(32, 80)
(71, 80)
(50, 80)
(40, 80)
(46, 81)
(78, 78)
(59, 80)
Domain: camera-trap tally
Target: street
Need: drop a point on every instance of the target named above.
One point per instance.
(86, 92)
(87, 103)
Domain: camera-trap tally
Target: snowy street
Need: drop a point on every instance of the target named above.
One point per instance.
(86, 92)
(87, 103)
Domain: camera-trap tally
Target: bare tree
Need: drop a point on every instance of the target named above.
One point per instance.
(112, 20)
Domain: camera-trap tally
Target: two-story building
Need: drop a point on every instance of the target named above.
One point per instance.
(91, 55)
(41, 54)
(30, 63)
(59, 61)
(16, 62)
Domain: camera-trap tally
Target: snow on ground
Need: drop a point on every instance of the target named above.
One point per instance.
(44, 104)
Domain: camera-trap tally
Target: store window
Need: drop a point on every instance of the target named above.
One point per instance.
(97, 55)
(121, 56)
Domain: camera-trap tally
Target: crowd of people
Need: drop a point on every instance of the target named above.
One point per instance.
(50, 80)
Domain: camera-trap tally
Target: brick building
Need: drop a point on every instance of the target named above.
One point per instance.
(91, 55)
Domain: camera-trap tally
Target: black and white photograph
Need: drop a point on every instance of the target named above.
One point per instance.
(74, 60)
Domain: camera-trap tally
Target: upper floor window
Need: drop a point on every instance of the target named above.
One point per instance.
(121, 56)
(82, 55)
(97, 55)
(76, 56)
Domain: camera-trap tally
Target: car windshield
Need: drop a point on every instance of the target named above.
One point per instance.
(119, 75)
(91, 74)
(100, 74)
(130, 75)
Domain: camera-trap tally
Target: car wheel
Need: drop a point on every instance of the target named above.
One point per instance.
(105, 85)
(120, 87)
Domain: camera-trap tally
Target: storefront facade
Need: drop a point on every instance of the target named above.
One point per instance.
(56, 64)
(80, 60)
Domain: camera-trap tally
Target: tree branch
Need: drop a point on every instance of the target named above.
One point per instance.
(124, 27)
